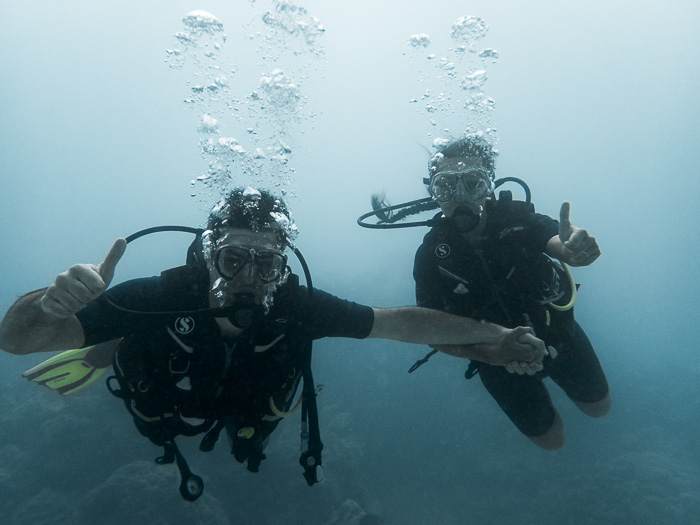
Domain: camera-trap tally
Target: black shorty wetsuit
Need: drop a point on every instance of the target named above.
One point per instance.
(182, 375)
(507, 279)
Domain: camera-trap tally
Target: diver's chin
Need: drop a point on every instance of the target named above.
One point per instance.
(466, 218)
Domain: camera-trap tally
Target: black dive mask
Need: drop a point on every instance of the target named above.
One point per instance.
(465, 218)
(244, 311)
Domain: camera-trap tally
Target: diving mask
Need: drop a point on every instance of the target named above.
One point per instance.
(476, 184)
(269, 264)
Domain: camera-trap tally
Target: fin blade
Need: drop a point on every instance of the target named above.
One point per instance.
(57, 361)
(67, 372)
(82, 384)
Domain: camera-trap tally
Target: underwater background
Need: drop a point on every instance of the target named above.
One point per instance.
(117, 116)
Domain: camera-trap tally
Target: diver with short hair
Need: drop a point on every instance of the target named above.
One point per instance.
(492, 259)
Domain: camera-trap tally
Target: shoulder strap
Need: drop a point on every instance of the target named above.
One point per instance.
(506, 205)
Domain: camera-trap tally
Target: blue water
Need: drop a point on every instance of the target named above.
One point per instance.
(595, 103)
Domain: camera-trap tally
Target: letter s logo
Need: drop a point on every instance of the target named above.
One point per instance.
(442, 250)
(184, 325)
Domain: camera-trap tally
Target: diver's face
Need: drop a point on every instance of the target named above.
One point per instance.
(246, 262)
(461, 183)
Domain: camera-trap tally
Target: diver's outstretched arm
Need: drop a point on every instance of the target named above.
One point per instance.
(458, 336)
(518, 359)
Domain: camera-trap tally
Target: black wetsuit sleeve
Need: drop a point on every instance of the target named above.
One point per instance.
(542, 228)
(428, 294)
(101, 321)
(335, 317)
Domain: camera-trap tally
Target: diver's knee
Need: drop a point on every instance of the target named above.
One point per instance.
(597, 409)
(549, 441)
(554, 438)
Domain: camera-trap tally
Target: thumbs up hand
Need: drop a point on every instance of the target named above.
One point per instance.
(81, 283)
(578, 248)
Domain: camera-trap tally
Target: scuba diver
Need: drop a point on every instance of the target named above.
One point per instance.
(222, 342)
(493, 259)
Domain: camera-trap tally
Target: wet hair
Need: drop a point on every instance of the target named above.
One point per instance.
(254, 210)
(473, 145)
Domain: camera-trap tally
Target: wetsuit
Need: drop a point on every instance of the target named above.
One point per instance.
(182, 375)
(505, 278)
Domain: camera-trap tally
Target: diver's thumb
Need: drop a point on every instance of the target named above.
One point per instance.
(564, 221)
(106, 267)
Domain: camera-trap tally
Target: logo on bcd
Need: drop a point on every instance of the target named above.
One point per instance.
(442, 250)
(184, 325)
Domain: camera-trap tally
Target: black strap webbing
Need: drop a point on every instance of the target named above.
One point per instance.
(211, 437)
(191, 485)
(421, 362)
(311, 445)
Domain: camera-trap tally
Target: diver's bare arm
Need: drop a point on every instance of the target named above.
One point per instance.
(413, 324)
(425, 326)
(27, 328)
(496, 355)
